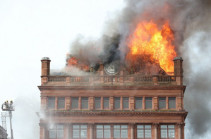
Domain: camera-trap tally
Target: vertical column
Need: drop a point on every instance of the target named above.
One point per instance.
(91, 131)
(66, 131)
(180, 128)
(42, 132)
(167, 103)
(178, 70)
(111, 102)
(155, 103)
(56, 103)
(101, 103)
(132, 131)
(79, 103)
(91, 103)
(43, 103)
(132, 103)
(121, 103)
(67, 103)
(143, 103)
(155, 132)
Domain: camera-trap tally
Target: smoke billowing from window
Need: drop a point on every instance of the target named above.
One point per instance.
(190, 21)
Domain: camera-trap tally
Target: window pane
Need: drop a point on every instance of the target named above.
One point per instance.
(148, 103)
(83, 133)
(84, 103)
(51, 102)
(74, 102)
(162, 103)
(163, 133)
(171, 133)
(172, 102)
(117, 102)
(97, 103)
(61, 103)
(60, 133)
(52, 133)
(148, 133)
(106, 103)
(76, 133)
(99, 126)
(125, 102)
(116, 133)
(138, 102)
(140, 133)
(107, 133)
(99, 133)
(124, 133)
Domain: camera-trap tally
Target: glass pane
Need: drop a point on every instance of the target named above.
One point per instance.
(163, 133)
(105, 103)
(140, 133)
(117, 126)
(99, 133)
(171, 133)
(148, 126)
(116, 133)
(76, 134)
(162, 103)
(83, 133)
(117, 102)
(74, 102)
(61, 103)
(148, 103)
(140, 126)
(97, 103)
(124, 133)
(172, 102)
(123, 126)
(125, 103)
(84, 103)
(138, 103)
(170, 126)
(51, 102)
(99, 126)
(107, 126)
(107, 133)
(52, 134)
(147, 133)
(163, 126)
(60, 133)
(75, 126)
(84, 126)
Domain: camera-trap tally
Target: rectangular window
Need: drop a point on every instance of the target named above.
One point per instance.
(138, 102)
(117, 103)
(84, 103)
(103, 131)
(61, 103)
(162, 103)
(79, 131)
(51, 102)
(167, 131)
(144, 131)
(106, 103)
(97, 103)
(172, 102)
(74, 102)
(121, 131)
(56, 132)
(125, 103)
(148, 102)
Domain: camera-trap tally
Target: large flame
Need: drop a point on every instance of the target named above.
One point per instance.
(152, 43)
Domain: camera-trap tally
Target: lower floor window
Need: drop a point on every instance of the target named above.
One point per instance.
(56, 132)
(167, 131)
(79, 131)
(103, 131)
(144, 131)
(121, 131)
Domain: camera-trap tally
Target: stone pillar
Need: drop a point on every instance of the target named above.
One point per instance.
(178, 70)
(155, 103)
(111, 103)
(91, 103)
(155, 130)
(131, 103)
(67, 103)
(66, 131)
(180, 128)
(43, 103)
(91, 131)
(42, 132)
(132, 131)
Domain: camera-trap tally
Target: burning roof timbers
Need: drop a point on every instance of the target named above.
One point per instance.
(149, 51)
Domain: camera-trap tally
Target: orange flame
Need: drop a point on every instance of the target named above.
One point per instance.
(74, 62)
(152, 43)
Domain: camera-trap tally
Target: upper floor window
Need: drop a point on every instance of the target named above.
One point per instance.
(172, 103)
(79, 131)
(56, 132)
(117, 103)
(61, 103)
(51, 102)
(148, 102)
(167, 131)
(138, 103)
(144, 131)
(74, 102)
(162, 103)
(121, 131)
(84, 103)
(97, 103)
(125, 103)
(105, 102)
(103, 131)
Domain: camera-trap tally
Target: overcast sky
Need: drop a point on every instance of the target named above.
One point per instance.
(32, 29)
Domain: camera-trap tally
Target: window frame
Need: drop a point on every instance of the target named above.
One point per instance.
(83, 108)
(106, 108)
(144, 128)
(75, 108)
(51, 108)
(120, 130)
(98, 102)
(167, 130)
(80, 131)
(174, 103)
(56, 130)
(128, 103)
(162, 101)
(141, 103)
(118, 103)
(148, 101)
(103, 130)
(63, 108)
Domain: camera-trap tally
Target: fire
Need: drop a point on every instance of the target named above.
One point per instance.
(73, 62)
(152, 44)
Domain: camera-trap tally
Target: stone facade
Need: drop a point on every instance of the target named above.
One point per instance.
(139, 107)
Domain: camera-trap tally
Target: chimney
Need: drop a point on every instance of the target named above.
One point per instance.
(178, 70)
(45, 71)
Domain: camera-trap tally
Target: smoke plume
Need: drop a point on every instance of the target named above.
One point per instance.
(190, 21)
